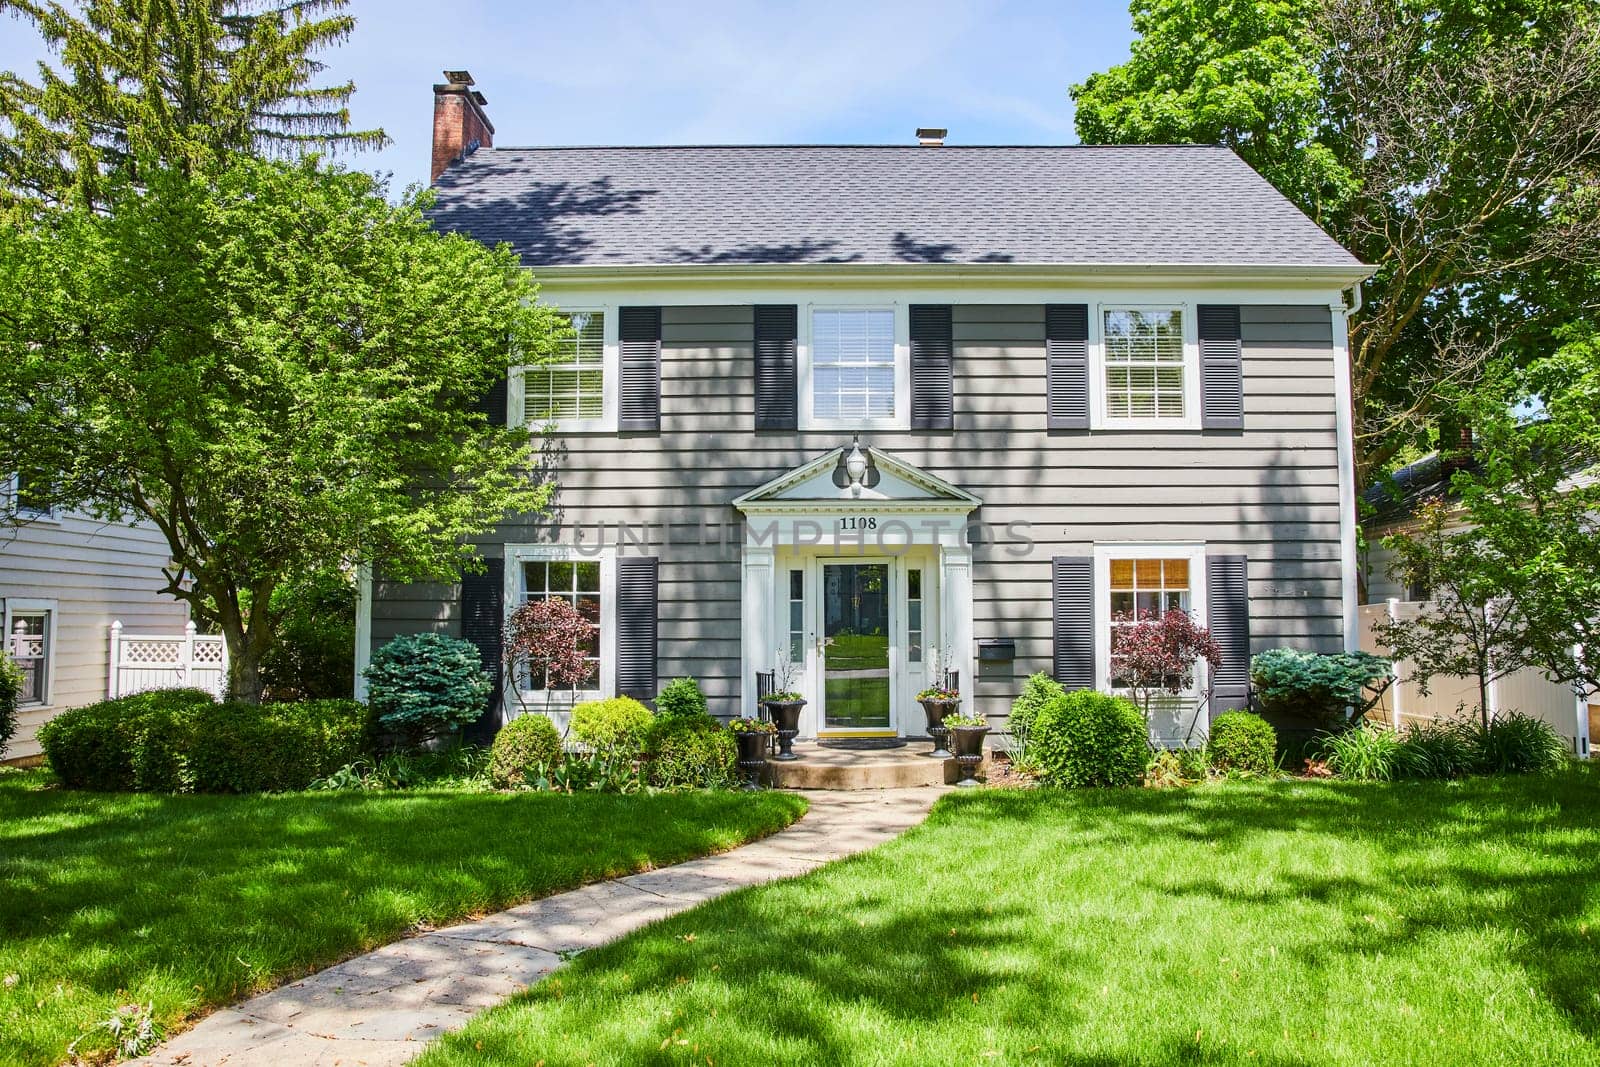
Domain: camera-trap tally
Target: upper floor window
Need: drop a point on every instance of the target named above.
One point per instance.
(1144, 364)
(855, 366)
(24, 501)
(572, 385)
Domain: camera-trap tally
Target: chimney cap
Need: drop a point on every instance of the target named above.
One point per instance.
(459, 77)
(931, 135)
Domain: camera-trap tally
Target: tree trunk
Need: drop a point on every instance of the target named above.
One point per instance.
(247, 648)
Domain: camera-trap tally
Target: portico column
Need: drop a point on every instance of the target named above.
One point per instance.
(955, 582)
(756, 643)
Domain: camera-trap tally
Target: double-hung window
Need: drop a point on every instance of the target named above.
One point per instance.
(576, 581)
(24, 501)
(855, 357)
(1144, 590)
(30, 642)
(1148, 372)
(571, 391)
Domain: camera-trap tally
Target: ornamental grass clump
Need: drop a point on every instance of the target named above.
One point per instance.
(1438, 750)
(1514, 743)
(1085, 738)
(1369, 753)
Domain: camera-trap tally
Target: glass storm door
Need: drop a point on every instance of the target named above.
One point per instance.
(855, 647)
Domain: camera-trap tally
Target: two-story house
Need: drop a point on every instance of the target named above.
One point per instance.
(883, 411)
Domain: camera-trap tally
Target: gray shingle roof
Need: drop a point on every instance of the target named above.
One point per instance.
(1179, 205)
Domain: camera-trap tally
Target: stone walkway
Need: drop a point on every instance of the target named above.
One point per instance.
(381, 1008)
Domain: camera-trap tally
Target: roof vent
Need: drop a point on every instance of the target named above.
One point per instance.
(932, 136)
(459, 77)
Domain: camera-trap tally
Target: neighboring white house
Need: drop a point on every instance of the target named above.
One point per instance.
(64, 579)
(1391, 508)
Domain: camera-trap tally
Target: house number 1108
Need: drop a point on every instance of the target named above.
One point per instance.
(858, 522)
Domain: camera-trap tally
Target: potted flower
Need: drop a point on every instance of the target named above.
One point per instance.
(783, 706)
(969, 732)
(939, 702)
(752, 736)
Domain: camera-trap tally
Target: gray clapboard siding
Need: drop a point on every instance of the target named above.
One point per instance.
(1270, 493)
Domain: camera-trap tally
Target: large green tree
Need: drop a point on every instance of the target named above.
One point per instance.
(173, 82)
(278, 368)
(1454, 144)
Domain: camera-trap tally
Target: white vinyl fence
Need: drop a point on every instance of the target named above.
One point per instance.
(140, 662)
(1527, 690)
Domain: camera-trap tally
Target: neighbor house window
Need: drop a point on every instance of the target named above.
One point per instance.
(572, 385)
(28, 642)
(578, 582)
(25, 499)
(1143, 364)
(1144, 589)
(853, 364)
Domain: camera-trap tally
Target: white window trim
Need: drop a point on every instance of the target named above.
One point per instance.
(1104, 553)
(1098, 419)
(15, 606)
(902, 368)
(13, 490)
(563, 699)
(611, 370)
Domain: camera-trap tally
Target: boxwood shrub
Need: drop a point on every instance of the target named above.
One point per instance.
(681, 696)
(690, 750)
(271, 748)
(619, 723)
(524, 749)
(1085, 738)
(137, 742)
(1242, 743)
(180, 740)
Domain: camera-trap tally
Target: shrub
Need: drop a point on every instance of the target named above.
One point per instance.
(425, 685)
(10, 693)
(271, 748)
(1437, 750)
(1175, 767)
(313, 654)
(619, 723)
(137, 742)
(1037, 691)
(1317, 686)
(1369, 753)
(1514, 743)
(1242, 743)
(1085, 738)
(525, 750)
(690, 750)
(681, 697)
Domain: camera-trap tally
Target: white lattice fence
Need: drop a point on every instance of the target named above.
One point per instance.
(140, 662)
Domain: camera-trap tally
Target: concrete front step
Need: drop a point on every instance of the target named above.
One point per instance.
(833, 768)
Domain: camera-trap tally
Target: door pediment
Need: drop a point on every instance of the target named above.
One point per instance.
(891, 484)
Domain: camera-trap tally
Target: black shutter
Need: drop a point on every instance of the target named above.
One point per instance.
(1221, 368)
(1228, 618)
(636, 627)
(1066, 349)
(1072, 597)
(493, 402)
(932, 358)
(639, 398)
(483, 625)
(777, 333)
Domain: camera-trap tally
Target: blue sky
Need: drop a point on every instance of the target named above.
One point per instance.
(687, 72)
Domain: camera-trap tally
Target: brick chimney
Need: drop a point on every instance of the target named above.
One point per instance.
(460, 124)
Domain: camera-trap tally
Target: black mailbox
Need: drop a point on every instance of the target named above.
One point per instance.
(997, 650)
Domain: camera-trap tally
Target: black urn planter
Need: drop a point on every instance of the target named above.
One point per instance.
(786, 714)
(969, 753)
(937, 710)
(752, 757)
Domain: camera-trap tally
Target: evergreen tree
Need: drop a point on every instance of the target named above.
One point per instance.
(176, 83)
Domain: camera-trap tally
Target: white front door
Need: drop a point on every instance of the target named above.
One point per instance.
(859, 657)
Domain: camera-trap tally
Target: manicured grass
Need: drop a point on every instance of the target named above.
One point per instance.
(1269, 923)
(194, 901)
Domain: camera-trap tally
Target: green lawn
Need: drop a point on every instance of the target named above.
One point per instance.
(194, 901)
(1286, 923)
